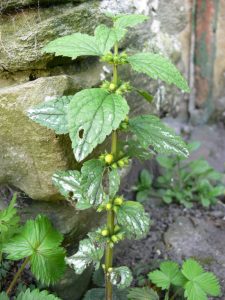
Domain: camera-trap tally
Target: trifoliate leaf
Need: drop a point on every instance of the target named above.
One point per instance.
(151, 131)
(41, 242)
(93, 114)
(99, 294)
(8, 222)
(199, 283)
(191, 269)
(52, 114)
(121, 277)
(114, 182)
(158, 67)
(142, 294)
(69, 185)
(131, 215)
(169, 274)
(91, 181)
(74, 45)
(129, 20)
(90, 252)
(36, 295)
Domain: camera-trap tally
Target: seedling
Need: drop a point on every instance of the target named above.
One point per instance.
(89, 117)
(184, 182)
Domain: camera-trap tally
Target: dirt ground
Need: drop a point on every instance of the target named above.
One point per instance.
(178, 233)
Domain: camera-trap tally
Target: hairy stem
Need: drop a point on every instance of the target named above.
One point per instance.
(110, 213)
(16, 277)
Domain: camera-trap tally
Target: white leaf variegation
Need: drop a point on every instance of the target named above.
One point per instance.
(93, 114)
(132, 217)
(91, 181)
(90, 252)
(151, 131)
(69, 185)
(114, 182)
(52, 114)
(158, 67)
(121, 277)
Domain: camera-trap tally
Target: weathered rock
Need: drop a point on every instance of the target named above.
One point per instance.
(6, 5)
(212, 145)
(73, 286)
(30, 153)
(201, 239)
(24, 35)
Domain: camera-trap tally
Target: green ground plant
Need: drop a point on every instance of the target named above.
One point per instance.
(172, 282)
(182, 181)
(37, 244)
(89, 117)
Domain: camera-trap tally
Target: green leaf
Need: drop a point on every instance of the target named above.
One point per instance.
(121, 277)
(79, 44)
(69, 185)
(142, 294)
(129, 20)
(165, 162)
(150, 131)
(199, 166)
(93, 114)
(85, 187)
(91, 181)
(114, 182)
(169, 274)
(36, 295)
(145, 95)
(106, 37)
(52, 114)
(3, 296)
(142, 196)
(134, 149)
(9, 222)
(90, 252)
(41, 242)
(99, 294)
(158, 67)
(200, 283)
(98, 277)
(74, 45)
(131, 215)
(146, 178)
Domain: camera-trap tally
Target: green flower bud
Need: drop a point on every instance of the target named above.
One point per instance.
(105, 232)
(114, 238)
(114, 166)
(109, 158)
(108, 206)
(118, 201)
(112, 86)
(121, 163)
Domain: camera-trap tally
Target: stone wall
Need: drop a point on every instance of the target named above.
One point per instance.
(31, 153)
